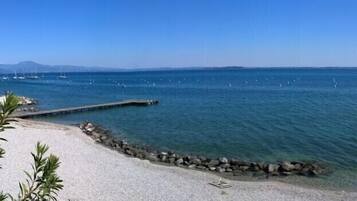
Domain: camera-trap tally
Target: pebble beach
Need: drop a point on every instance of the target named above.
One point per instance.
(93, 172)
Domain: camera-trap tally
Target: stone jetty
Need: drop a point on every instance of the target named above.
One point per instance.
(224, 166)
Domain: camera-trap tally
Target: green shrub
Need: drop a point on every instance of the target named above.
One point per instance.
(42, 184)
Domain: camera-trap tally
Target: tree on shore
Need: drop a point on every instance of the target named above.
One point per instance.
(42, 184)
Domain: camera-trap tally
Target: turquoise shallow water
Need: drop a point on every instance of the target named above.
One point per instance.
(252, 114)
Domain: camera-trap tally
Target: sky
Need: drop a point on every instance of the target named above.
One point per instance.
(179, 33)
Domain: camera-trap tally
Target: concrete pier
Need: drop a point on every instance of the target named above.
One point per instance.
(86, 108)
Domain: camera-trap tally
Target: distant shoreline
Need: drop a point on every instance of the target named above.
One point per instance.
(33, 67)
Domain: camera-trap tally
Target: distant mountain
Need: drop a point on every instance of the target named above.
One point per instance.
(33, 67)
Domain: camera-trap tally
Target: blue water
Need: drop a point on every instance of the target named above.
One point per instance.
(251, 114)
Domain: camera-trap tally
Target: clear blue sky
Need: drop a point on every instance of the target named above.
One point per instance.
(157, 33)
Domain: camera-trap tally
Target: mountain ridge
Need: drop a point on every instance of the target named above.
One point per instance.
(34, 67)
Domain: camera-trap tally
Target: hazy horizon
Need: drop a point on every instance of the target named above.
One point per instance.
(156, 34)
(170, 67)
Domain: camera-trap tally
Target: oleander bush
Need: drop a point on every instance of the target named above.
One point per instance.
(42, 183)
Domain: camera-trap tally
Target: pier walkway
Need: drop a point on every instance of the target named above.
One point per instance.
(86, 108)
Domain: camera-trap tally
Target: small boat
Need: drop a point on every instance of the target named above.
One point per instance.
(33, 77)
(15, 76)
(21, 77)
(5, 78)
(62, 77)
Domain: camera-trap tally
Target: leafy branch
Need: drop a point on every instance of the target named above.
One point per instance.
(42, 184)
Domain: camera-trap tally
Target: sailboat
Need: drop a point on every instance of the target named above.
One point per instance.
(62, 76)
(33, 76)
(15, 76)
(21, 77)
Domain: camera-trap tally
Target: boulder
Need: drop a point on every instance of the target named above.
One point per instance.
(151, 157)
(192, 166)
(244, 167)
(272, 168)
(287, 166)
(89, 127)
(212, 163)
(220, 169)
(179, 161)
(129, 152)
(201, 167)
(196, 161)
(172, 160)
(223, 160)
(163, 158)
(212, 168)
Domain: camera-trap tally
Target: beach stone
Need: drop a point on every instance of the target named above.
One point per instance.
(244, 168)
(220, 169)
(298, 166)
(163, 158)
(151, 157)
(226, 165)
(196, 161)
(103, 137)
(223, 160)
(272, 168)
(201, 167)
(259, 173)
(306, 171)
(234, 162)
(179, 161)
(186, 163)
(129, 152)
(260, 165)
(187, 158)
(89, 127)
(202, 158)
(213, 163)
(212, 168)
(237, 173)
(286, 173)
(275, 174)
(244, 163)
(172, 160)
(229, 170)
(192, 166)
(96, 135)
(108, 142)
(254, 167)
(287, 166)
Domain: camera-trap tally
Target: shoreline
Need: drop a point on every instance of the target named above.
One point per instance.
(98, 173)
(226, 167)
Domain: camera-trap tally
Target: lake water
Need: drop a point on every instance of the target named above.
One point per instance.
(252, 114)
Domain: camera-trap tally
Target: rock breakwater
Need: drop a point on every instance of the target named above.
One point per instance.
(223, 165)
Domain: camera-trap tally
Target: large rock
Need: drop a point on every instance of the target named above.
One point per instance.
(89, 127)
(272, 168)
(287, 166)
(179, 161)
(220, 169)
(196, 161)
(212, 163)
(151, 157)
(223, 160)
